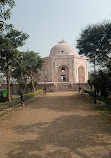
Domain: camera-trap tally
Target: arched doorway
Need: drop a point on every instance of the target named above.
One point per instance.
(81, 74)
(63, 74)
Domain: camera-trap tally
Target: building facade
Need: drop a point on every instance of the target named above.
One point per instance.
(64, 66)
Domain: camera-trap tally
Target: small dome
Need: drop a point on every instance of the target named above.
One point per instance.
(62, 48)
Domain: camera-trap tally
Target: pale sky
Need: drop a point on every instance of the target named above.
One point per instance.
(49, 21)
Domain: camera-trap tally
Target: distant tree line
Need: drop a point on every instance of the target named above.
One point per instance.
(95, 43)
(11, 59)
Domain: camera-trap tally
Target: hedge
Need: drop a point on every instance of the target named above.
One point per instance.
(32, 95)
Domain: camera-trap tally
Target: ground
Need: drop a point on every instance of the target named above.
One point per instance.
(56, 125)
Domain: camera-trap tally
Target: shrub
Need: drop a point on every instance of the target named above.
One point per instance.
(32, 95)
(16, 101)
(101, 98)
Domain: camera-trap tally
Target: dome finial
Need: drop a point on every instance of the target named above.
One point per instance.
(62, 41)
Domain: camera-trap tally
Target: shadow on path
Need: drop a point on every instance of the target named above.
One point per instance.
(66, 137)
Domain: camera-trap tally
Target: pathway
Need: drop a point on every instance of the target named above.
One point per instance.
(58, 125)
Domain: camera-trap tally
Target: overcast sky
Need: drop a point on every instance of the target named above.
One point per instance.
(49, 21)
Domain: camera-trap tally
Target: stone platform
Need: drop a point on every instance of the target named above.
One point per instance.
(62, 86)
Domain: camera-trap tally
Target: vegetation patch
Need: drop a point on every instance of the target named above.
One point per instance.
(105, 107)
(16, 101)
(101, 98)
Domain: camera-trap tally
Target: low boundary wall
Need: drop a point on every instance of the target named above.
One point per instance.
(51, 87)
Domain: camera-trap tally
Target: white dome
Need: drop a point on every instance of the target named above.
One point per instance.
(62, 48)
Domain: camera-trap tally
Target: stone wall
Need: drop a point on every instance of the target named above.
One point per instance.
(49, 87)
(52, 87)
(56, 87)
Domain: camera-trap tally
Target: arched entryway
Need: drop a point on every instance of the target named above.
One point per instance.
(81, 74)
(63, 74)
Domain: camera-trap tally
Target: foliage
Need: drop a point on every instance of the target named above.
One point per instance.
(16, 101)
(91, 80)
(30, 85)
(10, 40)
(3, 96)
(101, 98)
(106, 107)
(9, 54)
(102, 82)
(109, 67)
(8, 47)
(16, 38)
(22, 87)
(95, 41)
(32, 95)
(31, 63)
(19, 71)
(5, 11)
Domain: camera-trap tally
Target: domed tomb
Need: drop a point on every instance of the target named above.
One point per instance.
(62, 48)
(63, 68)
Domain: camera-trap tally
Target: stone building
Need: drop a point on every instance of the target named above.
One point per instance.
(64, 69)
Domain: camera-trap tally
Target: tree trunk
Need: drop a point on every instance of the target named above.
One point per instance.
(8, 85)
(104, 92)
(32, 80)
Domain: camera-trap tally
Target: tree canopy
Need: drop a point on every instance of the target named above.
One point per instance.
(9, 43)
(31, 63)
(5, 11)
(95, 41)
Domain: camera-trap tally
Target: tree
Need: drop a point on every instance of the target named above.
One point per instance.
(103, 82)
(9, 43)
(95, 41)
(5, 11)
(33, 63)
(19, 72)
(91, 80)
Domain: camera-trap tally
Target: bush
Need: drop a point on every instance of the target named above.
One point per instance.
(3, 96)
(32, 95)
(101, 98)
(16, 101)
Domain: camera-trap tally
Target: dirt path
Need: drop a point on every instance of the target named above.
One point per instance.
(58, 125)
